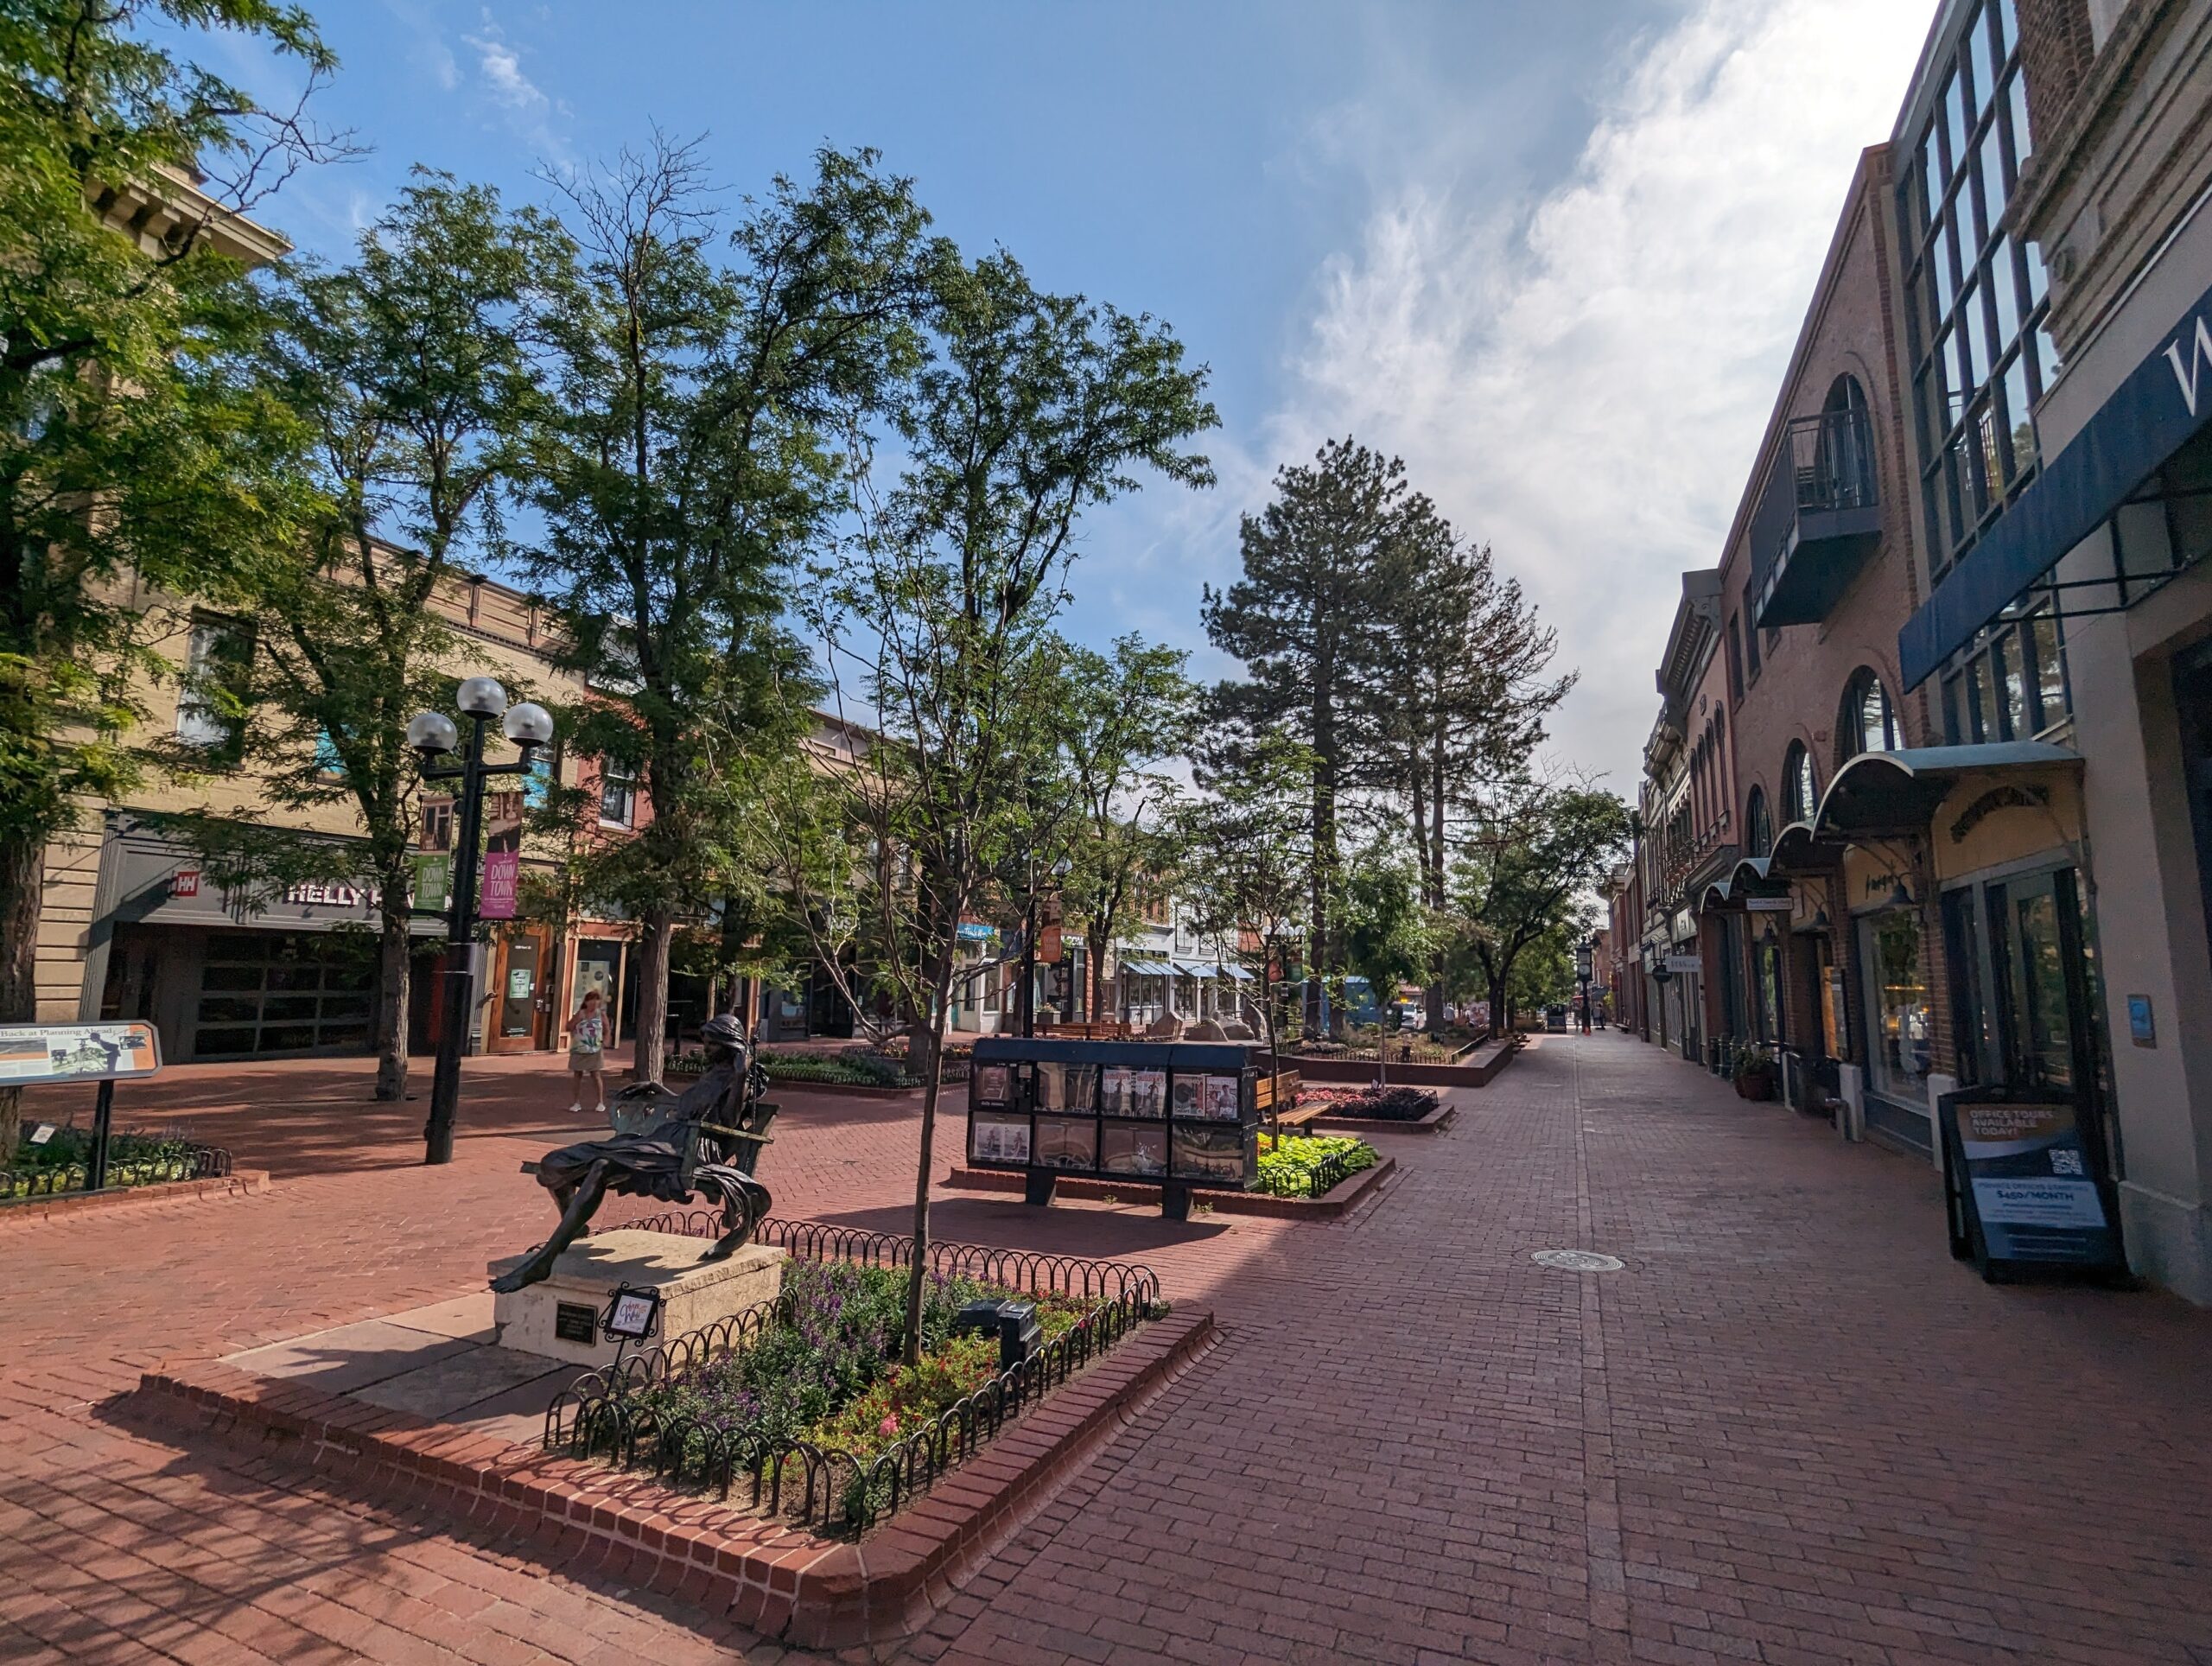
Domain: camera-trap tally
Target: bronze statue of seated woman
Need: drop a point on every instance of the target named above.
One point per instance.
(706, 1139)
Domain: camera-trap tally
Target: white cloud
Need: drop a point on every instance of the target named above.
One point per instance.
(1580, 380)
(528, 113)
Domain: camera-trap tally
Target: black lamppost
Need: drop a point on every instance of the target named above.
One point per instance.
(1582, 953)
(433, 734)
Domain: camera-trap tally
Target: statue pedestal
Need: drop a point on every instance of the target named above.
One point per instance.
(559, 1317)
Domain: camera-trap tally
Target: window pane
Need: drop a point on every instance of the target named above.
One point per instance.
(1963, 369)
(2004, 289)
(1992, 182)
(1982, 705)
(1955, 728)
(1940, 263)
(1985, 74)
(1959, 522)
(2020, 424)
(2019, 721)
(2022, 139)
(2008, 32)
(2050, 671)
(1976, 335)
(1954, 119)
(1989, 429)
(1931, 175)
(2047, 356)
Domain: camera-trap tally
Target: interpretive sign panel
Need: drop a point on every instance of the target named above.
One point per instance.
(2024, 1183)
(78, 1053)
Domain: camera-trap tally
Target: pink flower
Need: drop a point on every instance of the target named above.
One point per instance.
(889, 1426)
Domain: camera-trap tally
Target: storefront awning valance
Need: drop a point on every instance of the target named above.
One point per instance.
(1194, 969)
(1149, 968)
(1896, 792)
(2151, 416)
(1238, 973)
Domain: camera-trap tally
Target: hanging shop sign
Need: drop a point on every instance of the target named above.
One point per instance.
(502, 874)
(1684, 963)
(2021, 1182)
(1768, 904)
(973, 930)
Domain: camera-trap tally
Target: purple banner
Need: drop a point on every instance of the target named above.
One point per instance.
(502, 870)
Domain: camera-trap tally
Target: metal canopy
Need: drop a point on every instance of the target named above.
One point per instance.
(1896, 792)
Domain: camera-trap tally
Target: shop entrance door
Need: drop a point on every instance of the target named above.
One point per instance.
(2034, 931)
(514, 1004)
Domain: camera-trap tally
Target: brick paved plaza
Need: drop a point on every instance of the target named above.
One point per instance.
(1791, 1430)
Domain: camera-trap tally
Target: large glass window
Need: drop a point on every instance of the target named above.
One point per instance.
(1978, 301)
(1896, 999)
(216, 661)
(1758, 825)
(2011, 685)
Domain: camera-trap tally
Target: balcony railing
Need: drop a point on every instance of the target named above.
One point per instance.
(1823, 513)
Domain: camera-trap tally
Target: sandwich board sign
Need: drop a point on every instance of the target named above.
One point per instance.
(2023, 1184)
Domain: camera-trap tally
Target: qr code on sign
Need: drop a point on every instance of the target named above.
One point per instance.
(2066, 1162)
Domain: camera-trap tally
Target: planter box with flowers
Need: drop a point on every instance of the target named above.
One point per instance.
(1756, 1073)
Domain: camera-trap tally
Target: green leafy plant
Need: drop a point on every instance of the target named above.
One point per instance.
(1290, 1164)
(1754, 1061)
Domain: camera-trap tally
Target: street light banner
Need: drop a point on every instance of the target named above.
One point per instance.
(433, 880)
(502, 872)
(78, 1053)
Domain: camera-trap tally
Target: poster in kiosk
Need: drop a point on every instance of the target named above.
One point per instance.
(2023, 1184)
(1171, 1113)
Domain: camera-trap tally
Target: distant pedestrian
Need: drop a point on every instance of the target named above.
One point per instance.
(587, 1050)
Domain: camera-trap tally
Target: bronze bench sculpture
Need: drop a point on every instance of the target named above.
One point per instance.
(707, 1139)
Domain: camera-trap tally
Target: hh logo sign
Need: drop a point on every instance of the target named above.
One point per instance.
(2187, 354)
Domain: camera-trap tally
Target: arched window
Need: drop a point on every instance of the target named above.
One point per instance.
(1867, 722)
(1758, 826)
(1799, 793)
(1846, 447)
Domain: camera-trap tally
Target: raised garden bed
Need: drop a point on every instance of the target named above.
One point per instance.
(867, 1075)
(1338, 1108)
(1338, 1201)
(1474, 1070)
(50, 1176)
(630, 1498)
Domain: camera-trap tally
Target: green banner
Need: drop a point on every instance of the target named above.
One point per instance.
(433, 880)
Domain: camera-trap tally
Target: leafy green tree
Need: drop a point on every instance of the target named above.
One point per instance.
(1535, 849)
(143, 464)
(1249, 861)
(1131, 712)
(1459, 703)
(691, 463)
(409, 370)
(1308, 618)
(1389, 937)
(1030, 409)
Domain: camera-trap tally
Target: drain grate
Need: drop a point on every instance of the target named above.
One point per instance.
(1577, 1261)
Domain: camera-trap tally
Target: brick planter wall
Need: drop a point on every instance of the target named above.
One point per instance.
(1340, 1200)
(237, 1183)
(772, 1578)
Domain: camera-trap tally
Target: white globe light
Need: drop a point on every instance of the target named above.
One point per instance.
(482, 697)
(529, 724)
(432, 731)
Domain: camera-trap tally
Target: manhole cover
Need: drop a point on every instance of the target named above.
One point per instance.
(1577, 1261)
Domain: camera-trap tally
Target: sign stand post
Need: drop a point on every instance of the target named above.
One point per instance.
(103, 1122)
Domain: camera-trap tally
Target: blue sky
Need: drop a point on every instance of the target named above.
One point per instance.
(1554, 254)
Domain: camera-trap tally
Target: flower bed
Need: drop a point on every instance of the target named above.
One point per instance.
(1309, 1165)
(1382, 1104)
(63, 1163)
(874, 1068)
(808, 1395)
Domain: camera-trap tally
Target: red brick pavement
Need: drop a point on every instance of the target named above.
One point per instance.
(1790, 1430)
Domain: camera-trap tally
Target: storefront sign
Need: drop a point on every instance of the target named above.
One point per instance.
(337, 896)
(518, 983)
(972, 931)
(185, 882)
(78, 1053)
(502, 874)
(2022, 1184)
(1768, 905)
(433, 880)
(1684, 963)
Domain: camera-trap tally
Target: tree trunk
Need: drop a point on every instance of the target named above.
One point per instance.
(1094, 944)
(21, 863)
(932, 1084)
(394, 951)
(652, 973)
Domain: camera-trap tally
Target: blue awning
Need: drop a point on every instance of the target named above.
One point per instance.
(2151, 416)
(1149, 968)
(1194, 969)
(1239, 974)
